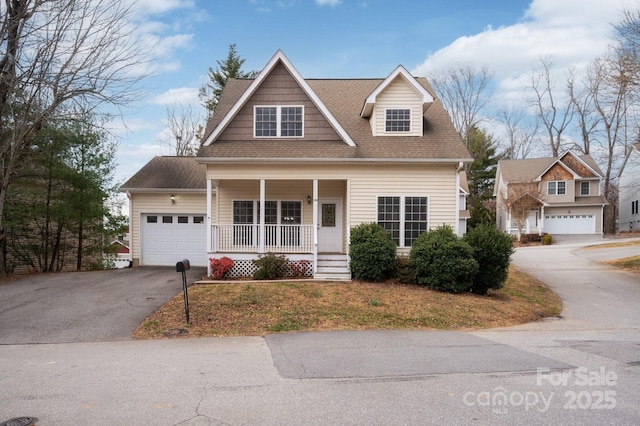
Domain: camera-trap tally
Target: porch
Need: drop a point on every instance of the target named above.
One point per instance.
(302, 220)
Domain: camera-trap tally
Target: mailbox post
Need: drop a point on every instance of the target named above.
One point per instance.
(183, 266)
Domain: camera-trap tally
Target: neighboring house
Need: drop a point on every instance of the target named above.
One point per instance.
(629, 192)
(465, 215)
(291, 165)
(567, 192)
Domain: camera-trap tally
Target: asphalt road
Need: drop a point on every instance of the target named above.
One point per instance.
(582, 369)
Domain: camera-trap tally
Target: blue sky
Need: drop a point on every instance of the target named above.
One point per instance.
(346, 39)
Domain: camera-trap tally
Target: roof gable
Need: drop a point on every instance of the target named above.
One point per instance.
(278, 59)
(399, 73)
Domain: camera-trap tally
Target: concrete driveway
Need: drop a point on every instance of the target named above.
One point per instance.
(93, 306)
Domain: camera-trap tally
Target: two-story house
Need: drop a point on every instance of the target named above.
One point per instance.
(567, 190)
(292, 164)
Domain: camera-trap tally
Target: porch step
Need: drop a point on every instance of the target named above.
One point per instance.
(333, 267)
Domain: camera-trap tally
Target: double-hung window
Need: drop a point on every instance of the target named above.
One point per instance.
(278, 121)
(557, 188)
(404, 217)
(398, 120)
(584, 188)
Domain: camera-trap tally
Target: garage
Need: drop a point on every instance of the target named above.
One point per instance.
(168, 238)
(570, 224)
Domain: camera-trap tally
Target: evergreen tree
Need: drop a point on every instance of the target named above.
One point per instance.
(230, 68)
(482, 172)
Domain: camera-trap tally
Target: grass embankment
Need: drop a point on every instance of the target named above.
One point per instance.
(251, 309)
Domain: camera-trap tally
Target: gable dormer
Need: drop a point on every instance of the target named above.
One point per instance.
(396, 107)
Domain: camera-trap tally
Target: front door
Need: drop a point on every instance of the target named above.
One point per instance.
(330, 225)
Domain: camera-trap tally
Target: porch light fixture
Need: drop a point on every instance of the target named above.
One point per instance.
(308, 199)
(173, 198)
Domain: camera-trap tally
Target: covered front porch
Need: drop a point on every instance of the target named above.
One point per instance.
(304, 220)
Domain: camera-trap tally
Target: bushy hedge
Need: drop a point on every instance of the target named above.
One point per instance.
(372, 253)
(270, 267)
(492, 249)
(442, 261)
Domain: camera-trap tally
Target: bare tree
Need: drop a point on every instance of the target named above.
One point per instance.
(520, 199)
(554, 114)
(588, 120)
(464, 92)
(57, 55)
(520, 133)
(612, 82)
(183, 130)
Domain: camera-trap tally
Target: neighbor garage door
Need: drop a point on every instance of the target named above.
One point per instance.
(570, 224)
(169, 238)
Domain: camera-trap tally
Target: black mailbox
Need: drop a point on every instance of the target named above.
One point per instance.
(183, 265)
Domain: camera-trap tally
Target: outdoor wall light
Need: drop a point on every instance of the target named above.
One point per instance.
(308, 199)
(173, 198)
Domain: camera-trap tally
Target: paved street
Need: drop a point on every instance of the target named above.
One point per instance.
(581, 369)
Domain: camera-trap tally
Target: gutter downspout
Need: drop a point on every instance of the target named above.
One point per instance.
(457, 224)
(131, 229)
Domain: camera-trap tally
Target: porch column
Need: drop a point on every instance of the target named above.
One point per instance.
(315, 226)
(209, 227)
(261, 231)
(541, 227)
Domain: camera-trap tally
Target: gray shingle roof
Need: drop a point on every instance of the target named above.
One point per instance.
(179, 173)
(528, 169)
(344, 98)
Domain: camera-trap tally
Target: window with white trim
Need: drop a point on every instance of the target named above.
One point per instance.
(285, 121)
(556, 187)
(404, 217)
(398, 120)
(584, 188)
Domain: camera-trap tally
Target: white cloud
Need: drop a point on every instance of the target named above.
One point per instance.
(569, 31)
(328, 2)
(178, 96)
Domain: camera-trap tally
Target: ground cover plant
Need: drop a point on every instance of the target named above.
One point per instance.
(258, 308)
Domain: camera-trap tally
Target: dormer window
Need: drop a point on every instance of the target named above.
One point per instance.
(278, 121)
(398, 120)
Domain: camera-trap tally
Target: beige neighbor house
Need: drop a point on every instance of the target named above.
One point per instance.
(290, 165)
(568, 194)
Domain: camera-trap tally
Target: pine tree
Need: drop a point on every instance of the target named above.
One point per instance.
(230, 68)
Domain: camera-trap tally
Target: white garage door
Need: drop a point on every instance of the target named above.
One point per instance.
(570, 224)
(169, 238)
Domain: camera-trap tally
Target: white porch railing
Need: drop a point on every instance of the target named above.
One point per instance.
(246, 238)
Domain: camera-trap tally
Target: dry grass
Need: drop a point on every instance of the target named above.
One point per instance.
(259, 308)
(613, 245)
(631, 264)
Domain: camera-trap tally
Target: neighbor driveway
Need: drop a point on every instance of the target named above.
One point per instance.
(93, 306)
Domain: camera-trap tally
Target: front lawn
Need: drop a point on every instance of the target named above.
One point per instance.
(253, 309)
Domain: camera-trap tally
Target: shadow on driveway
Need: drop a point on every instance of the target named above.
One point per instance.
(91, 306)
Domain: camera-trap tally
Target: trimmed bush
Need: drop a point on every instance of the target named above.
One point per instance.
(492, 249)
(372, 253)
(270, 267)
(442, 261)
(547, 240)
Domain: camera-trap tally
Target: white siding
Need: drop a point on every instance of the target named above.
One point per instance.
(629, 192)
(365, 184)
(399, 94)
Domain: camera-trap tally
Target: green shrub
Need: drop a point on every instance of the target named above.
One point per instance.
(442, 261)
(492, 249)
(270, 267)
(372, 253)
(404, 270)
(547, 240)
